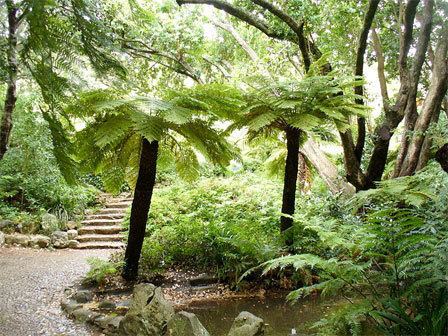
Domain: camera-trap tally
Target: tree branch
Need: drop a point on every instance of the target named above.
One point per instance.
(381, 74)
(359, 71)
(295, 26)
(242, 15)
(185, 70)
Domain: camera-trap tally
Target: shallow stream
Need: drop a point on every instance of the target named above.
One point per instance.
(279, 316)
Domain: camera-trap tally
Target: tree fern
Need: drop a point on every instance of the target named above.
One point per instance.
(108, 142)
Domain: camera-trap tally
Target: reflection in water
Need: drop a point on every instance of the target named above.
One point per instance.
(280, 317)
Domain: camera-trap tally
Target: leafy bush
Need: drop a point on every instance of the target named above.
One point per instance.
(386, 253)
(30, 179)
(223, 224)
(99, 270)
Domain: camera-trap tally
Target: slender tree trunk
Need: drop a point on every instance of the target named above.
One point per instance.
(290, 181)
(10, 99)
(140, 207)
(430, 110)
(326, 169)
(442, 157)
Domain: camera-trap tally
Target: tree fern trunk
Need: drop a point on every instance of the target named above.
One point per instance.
(290, 181)
(10, 100)
(140, 207)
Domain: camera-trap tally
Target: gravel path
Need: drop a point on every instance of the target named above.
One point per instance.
(31, 286)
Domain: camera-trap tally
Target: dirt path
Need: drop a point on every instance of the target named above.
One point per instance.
(31, 286)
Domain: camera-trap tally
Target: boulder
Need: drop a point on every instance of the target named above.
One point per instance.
(17, 239)
(247, 324)
(49, 223)
(184, 323)
(71, 225)
(59, 239)
(148, 314)
(69, 306)
(39, 241)
(107, 305)
(73, 244)
(82, 314)
(7, 225)
(72, 234)
(2, 238)
(83, 296)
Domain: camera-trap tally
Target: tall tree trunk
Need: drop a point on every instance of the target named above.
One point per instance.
(140, 207)
(290, 181)
(431, 107)
(10, 99)
(410, 111)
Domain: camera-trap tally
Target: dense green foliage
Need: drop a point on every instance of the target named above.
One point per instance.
(30, 180)
(387, 257)
(224, 225)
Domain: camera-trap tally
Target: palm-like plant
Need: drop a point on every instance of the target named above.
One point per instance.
(293, 108)
(126, 137)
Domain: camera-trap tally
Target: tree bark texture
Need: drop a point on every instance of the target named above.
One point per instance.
(410, 111)
(12, 65)
(326, 169)
(290, 180)
(431, 107)
(140, 207)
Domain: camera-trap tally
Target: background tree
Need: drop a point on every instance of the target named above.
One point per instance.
(45, 43)
(294, 21)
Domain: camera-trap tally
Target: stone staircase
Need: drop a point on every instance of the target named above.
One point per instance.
(103, 229)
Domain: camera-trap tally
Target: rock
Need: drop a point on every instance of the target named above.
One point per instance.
(71, 225)
(49, 223)
(203, 280)
(247, 324)
(2, 238)
(184, 323)
(73, 244)
(102, 321)
(148, 314)
(115, 322)
(17, 238)
(7, 225)
(107, 305)
(39, 241)
(81, 314)
(83, 296)
(59, 239)
(72, 234)
(69, 306)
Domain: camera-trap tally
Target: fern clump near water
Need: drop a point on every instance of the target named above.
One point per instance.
(389, 260)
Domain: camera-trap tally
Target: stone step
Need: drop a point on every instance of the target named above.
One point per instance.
(100, 230)
(101, 245)
(105, 216)
(102, 222)
(118, 205)
(99, 237)
(111, 211)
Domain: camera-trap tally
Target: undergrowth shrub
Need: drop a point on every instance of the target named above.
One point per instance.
(225, 225)
(386, 253)
(30, 179)
(99, 270)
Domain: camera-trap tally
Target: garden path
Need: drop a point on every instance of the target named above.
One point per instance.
(31, 286)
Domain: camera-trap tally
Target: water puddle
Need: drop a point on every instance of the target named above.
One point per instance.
(279, 316)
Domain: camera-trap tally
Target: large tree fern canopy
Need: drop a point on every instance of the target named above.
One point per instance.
(110, 141)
